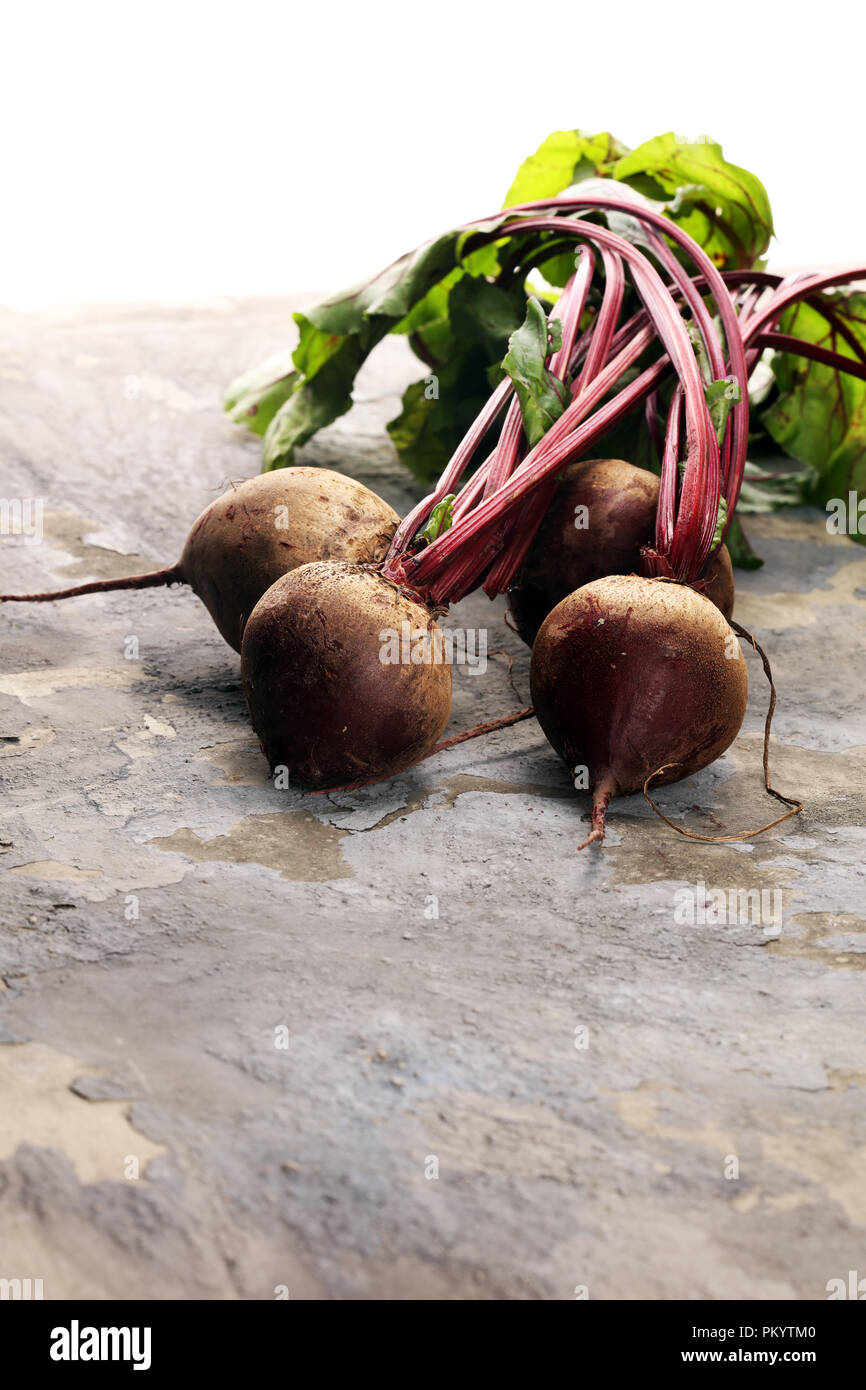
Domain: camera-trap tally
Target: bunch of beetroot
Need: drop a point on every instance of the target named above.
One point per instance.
(637, 675)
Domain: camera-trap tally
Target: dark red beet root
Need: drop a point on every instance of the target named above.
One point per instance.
(320, 697)
(243, 543)
(630, 675)
(255, 533)
(717, 581)
(620, 502)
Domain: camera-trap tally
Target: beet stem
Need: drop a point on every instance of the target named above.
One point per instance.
(151, 580)
(694, 525)
(798, 347)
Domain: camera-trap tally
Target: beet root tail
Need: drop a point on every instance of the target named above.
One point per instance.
(151, 580)
(489, 728)
(601, 794)
(791, 801)
(505, 722)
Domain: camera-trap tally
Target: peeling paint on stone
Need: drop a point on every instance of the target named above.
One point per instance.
(11, 745)
(28, 686)
(781, 611)
(240, 759)
(39, 1108)
(52, 870)
(300, 847)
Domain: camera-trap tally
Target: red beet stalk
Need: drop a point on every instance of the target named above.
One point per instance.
(486, 533)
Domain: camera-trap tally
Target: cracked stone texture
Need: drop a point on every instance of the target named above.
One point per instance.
(282, 1011)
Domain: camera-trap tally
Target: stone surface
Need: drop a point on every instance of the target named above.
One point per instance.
(286, 1012)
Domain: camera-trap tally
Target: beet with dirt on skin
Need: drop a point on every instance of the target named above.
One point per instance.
(321, 698)
(630, 675)
(243, 543)
(620, 502)
(258, 531)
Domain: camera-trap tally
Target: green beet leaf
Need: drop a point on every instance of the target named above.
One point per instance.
(445, 296)
(566, 157)
(438, 410)
(720, 396)
(542, 396)
(723, 207)
(440, 519)
(254, 398)
(338, 334)
(314, 403)
(819, 414)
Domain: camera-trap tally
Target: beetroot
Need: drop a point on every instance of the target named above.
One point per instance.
(255, 533)
(601, 514)
(324, 698)
(630, 676)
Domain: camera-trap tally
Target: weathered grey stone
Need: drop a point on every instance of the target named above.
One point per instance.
(455, 982)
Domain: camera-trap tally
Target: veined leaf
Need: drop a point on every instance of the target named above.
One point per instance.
(257, 409)
(762, 491)
(314, 403)
(485, 314)
(564, 158)
(440, 519)
(437, 411)
(542, 396)
(414, 433)
(338, 335)
(720, 396)
(254, 398)
(428, 324)
(819, 414)
(725, 208)
(444, 297)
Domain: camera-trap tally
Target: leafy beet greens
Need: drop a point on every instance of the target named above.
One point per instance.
(472, 304)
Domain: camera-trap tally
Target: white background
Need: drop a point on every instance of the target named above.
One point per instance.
(181, 150)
